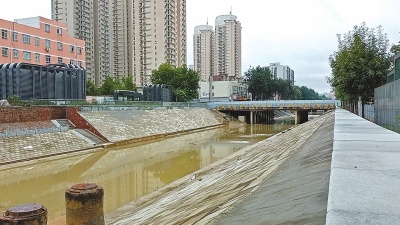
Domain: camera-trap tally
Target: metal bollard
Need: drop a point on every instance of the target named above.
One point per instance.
(27, 214)
(84, 205)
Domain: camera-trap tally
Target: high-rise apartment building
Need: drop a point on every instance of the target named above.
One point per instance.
(203, 51)
(88, 20)
(146, 34)
(228, 45)
(282, 72)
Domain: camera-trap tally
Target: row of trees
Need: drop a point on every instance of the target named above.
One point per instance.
(184, 82)
(110, 84)
(360, 64)
(264, 86)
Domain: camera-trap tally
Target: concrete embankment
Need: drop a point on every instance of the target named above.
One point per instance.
(119, 126)
(201, 197)
(116, 126)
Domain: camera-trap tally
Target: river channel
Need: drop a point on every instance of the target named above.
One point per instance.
(127, 172)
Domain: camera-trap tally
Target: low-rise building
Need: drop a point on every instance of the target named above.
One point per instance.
(38, 40)
(222, 91)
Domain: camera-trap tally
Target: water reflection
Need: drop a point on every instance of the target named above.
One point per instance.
(127, 172)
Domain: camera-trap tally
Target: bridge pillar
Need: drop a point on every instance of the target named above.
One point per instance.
(251, 117)
(301, 116)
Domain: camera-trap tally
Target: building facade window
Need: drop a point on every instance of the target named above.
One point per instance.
(15, 53)
(59, 31)
(37, 41)
(26, 39)
(15, 36)
(60, 46)
(4, 34)
(72, 62)
(60, 60)
(47, 43)
(79, 49)
(4, 52)
(37, 57)
(48, 59)
(71, 49)
(27, 56)
(47, 28)
(80, 63)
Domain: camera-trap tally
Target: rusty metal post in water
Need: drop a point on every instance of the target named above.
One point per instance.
(84, 205)
(27, 214)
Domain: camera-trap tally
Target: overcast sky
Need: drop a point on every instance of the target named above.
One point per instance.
(297, 33)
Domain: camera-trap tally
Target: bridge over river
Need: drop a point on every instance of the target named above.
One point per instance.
(262, 111)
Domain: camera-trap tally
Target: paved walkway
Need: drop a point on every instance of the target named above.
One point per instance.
(365, 173)
(201, 197)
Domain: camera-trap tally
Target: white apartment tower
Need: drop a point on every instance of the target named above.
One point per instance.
(88, 20)
(203, 51)
(228, 45)
(146, 34)
(282, 72)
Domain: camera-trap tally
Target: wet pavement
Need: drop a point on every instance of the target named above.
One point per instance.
(202, 196)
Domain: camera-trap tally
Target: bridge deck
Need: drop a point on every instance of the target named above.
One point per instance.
(265, 105)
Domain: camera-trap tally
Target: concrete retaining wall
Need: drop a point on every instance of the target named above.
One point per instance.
(29, 114)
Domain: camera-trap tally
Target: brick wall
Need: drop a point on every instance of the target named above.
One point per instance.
(74, 116)
(30, 114)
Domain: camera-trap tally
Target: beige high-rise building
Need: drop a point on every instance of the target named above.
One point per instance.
(146, 34)
(88, 20)
(228, 44)
(203, 51)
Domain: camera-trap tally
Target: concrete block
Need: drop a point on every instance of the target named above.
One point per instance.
(365, 191)
(337, 217)
(362, 160)
(366, 137)
(366, 146)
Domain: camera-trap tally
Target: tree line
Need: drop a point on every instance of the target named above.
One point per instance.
(184, 83)
(110, 85)
(360, 64)
(263, 86)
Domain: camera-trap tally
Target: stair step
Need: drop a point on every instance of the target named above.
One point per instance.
(93, 139)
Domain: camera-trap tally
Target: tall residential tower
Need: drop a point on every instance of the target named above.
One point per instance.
(145, 35)
(88, 20)
(228, 45)
(203, 51)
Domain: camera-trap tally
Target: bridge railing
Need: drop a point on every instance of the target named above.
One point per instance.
(284, 104)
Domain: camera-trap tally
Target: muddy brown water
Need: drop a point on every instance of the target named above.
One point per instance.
(127, 172)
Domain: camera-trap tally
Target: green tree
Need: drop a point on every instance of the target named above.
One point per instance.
(91, 88)
(260, 82)
(309, 93)
(283, 88)
(108, 86)
(360, 64)
(183, 81)
(127, 83)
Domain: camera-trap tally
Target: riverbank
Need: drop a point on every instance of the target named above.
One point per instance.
(105, 129)
(202, 196)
